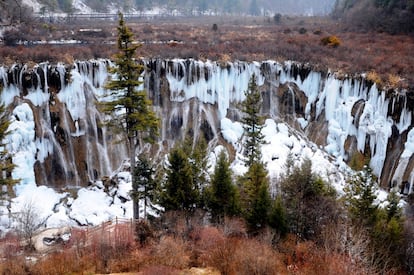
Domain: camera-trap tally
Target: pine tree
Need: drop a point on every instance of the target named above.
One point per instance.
(253, 123)
(254, 183)
(144, 185)
(6, 165)
(277, 216)
(180, 192)
(255, 196)
(387, 235)
(197, 152)
(384, 226)
(360, 198)
(130, 109)
(222, 196)
(310, 203)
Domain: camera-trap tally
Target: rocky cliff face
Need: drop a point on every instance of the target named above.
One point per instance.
(65, 144)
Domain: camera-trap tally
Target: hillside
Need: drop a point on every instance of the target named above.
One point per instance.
(189, 7)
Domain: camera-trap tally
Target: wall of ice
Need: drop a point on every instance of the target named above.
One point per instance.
(56, 137)
(191, 94)
(330, 98)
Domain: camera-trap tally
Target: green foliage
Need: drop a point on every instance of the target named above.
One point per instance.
(6, 165)
(130, 110)
(222, 196)
(255, 197)
(388, 234)
(197, 154)
(144, 185)
(277, 217)
(252, 123)
(360, 198)
(384, 225)
(138, 117)
(310, 202)
(180, 191)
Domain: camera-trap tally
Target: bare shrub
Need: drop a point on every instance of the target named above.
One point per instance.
(171, 252)
(205, 240)
(254, 257)
(234, 227)
(223, 256)
(65, 262)
(131, 261)
(143, 231)
(14, 266)
(28, 221)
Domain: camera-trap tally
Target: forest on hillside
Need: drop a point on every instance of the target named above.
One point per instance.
(392, 16)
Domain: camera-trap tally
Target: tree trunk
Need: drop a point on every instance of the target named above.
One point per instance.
(135, 199)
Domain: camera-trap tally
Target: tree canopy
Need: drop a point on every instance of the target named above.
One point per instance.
(222, 195)
(180, 191)
(253, 123)
(129, 108)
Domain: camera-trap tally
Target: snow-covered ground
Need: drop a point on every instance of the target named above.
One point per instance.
(92, 205)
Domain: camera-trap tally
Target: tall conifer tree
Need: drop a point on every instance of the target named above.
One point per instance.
(255, 183)
(222, 196)
(130, 108)
(256, 199)
(180, 190)
(253, 123)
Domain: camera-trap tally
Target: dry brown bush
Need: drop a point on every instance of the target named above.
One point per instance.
(244, 256)
(204, 240)
(222, 256)
(170, 252)
(14, 266)
(65, 262)
(254, 257)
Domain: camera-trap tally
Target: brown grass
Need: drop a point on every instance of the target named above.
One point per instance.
(238, 38)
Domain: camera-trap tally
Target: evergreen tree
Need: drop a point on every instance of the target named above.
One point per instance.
(255, 196)
(310, 202)
(6, 165)
(130, 109)
(277, 216)
(197, 152)
(360, 198)
(180, 192)
(252, 123)
(144, 185)
(384, 226)
(387, 235)
(222, 196)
